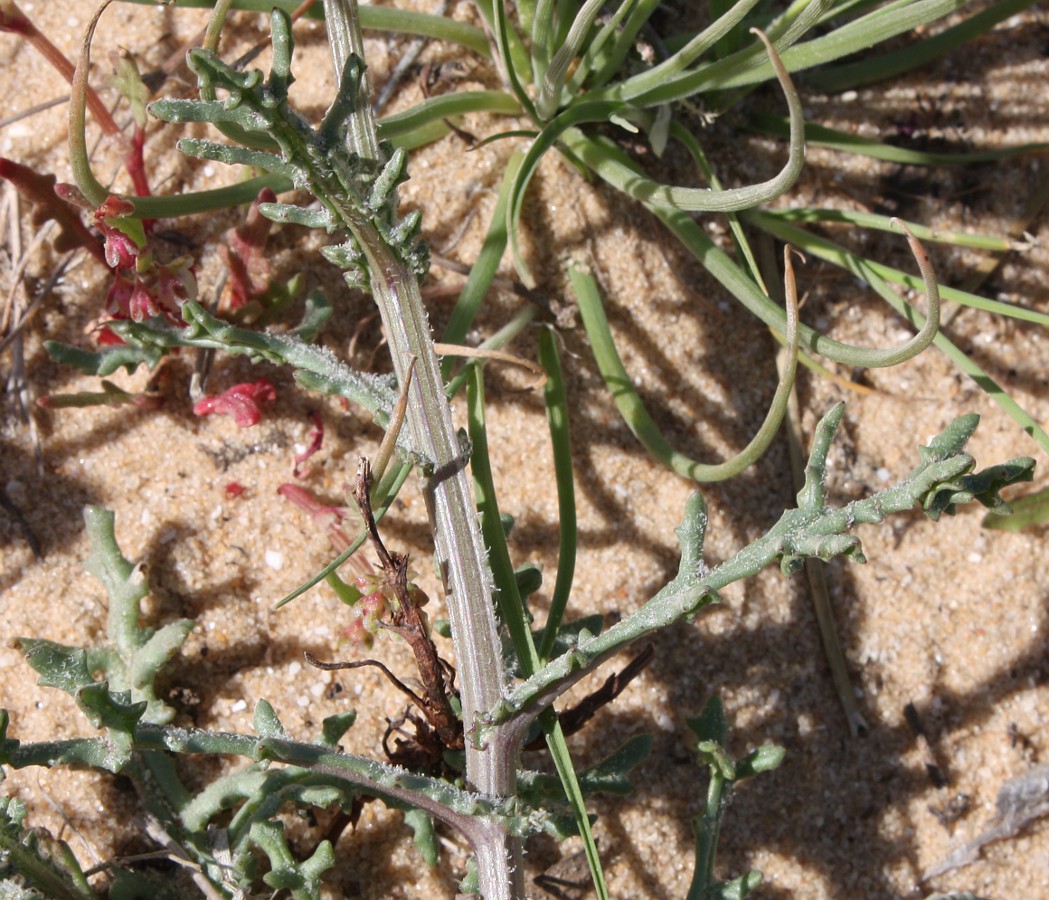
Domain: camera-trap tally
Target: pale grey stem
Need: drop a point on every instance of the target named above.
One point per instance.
(346, 40)
(463, 560)
(459, 547)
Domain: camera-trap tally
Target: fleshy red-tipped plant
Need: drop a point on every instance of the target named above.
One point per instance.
(242, 401)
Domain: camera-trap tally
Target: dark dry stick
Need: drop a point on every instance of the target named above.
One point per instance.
(408, 623)
(575, 717)
(360, 664)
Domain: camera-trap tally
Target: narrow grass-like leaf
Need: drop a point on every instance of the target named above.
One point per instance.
(743, 246)
(560, 440)
(776, 223)
(873, 273)
(510, 54)
(784, 32)
(554, 77)
(834, 139)
(920, 52)
(608, 61)
(246, 191)
(373, 18)
(627, 178)
(79, 160)
(599, 153)
(632, 88)
(874, 28)
(496, 341)
(632, 409)
(515, 617)
(512, 612)
(484, 268)
(404, 128)
(688, 140)
(991, 242)
(610, 32)
(986, 383)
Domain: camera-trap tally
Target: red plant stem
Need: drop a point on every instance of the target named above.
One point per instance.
(14, 20)
(135, 164)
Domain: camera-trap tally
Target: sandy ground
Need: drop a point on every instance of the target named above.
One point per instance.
(950, 617)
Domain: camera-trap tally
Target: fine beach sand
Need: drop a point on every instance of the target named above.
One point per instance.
(949, 617)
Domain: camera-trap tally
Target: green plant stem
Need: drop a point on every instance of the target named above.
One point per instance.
(707, 828)
(213, 32)
(342, 18)
(812, 529)
(816, 575)
(315, 367)
(463, 810)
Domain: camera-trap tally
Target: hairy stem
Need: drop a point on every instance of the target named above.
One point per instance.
(457, 537)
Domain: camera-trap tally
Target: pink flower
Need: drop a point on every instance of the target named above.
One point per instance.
(152, 289)
(142, 287)
(325, 517)
(125, 238)
(367, 618)
(241, 401)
